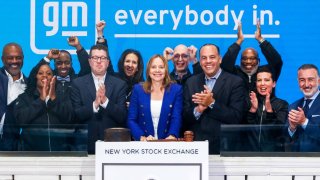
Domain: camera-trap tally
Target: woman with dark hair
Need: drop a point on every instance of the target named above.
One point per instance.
(267, 112)
(39, 110)
(155, 108)
(130, 66)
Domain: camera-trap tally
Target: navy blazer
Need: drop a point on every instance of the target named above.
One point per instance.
(139, 115)
(9, 139)
(229, 94)
(83, 93)
(308, 139)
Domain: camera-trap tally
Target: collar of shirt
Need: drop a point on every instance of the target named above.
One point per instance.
(216, 76)
(312, 98)
(181, 75)
(97, 81)
(10, 78)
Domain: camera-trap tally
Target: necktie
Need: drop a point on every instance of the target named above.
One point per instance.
(306, 106)
(65, 79)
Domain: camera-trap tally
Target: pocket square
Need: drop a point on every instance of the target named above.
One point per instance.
(316, 115)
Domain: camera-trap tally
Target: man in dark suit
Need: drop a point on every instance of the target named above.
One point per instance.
(304, 114)
(98, 98)
(212, 98)
(12, 84)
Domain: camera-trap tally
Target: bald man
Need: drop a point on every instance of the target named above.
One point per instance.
(181, 56)
(250, 61)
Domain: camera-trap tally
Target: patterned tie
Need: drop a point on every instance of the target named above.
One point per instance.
(65, 79)
(306, 106)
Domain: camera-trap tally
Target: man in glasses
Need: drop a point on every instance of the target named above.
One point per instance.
(99, 98)
(12, 84)
(181, 57)
(250, 61)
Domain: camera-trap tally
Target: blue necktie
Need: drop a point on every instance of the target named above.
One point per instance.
(306, 106)
(65, 79)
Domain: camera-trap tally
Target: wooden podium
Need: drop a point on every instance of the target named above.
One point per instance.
(151, 160)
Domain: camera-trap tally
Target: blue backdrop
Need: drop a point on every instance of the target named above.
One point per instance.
(149, 26)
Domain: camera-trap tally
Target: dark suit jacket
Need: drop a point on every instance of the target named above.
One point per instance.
(308, 139)
(9, 139)
(229, 93)
(139, 115)
(83, 93)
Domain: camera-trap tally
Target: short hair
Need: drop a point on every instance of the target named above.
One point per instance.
(267, 69)
(309, 66)
(11, 44)
(254, 51)
(67, 52)
(210, 44)
(99, 47)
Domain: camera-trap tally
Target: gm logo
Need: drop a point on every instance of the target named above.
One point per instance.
(53, 21)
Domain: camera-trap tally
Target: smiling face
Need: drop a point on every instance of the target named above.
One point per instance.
(130, 64)
(12, 59)
(249, 60)
(210, 60)
(44, 76)
(309, 81)
(265, 83)
(63, 64)
(180, 58)
(157, 70)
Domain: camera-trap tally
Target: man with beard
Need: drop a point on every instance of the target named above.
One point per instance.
(12, 84)
(181, 56)
(304, 114)
(250, 61)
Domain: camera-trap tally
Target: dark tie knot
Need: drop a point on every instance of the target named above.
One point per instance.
(306, 106)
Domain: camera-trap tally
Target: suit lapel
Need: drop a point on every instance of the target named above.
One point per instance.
(147, 108)
(108, 83)
(90, 86)
(199, 84)
(219, 83)
(5, 84)
(314, 109)
(164, 108)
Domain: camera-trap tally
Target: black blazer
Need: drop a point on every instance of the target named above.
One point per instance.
(229, 93)
(83, 93)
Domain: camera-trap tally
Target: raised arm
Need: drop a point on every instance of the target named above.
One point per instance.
(230, 57)
(270, 53)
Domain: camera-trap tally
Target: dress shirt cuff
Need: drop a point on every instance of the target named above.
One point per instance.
(104, 105)
(95, 110)
(290, 132)
(196, 113)
(2, 122)
(211, 105)
(304, 125)
(46, 59)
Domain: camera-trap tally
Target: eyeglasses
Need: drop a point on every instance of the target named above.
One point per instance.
(183, 56)
(245, 58)
(59, 63)
(96, 58)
